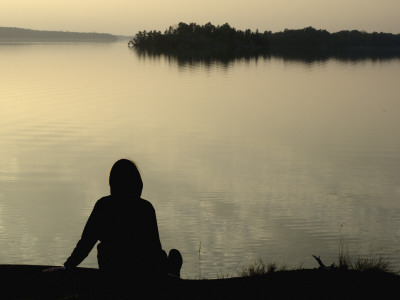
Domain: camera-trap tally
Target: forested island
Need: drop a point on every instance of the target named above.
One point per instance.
(225, 41)
(20, 35)
(201, 39)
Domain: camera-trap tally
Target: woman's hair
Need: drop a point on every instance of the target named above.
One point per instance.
(125, 179)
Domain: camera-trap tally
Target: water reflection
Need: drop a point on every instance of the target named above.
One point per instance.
(252, 157)
(198, 59)
(307, 56)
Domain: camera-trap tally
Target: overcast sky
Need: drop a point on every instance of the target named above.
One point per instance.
(128, 16)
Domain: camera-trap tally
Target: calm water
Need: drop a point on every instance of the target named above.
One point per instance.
(255, 158)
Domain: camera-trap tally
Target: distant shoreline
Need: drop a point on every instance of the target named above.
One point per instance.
(20, 35)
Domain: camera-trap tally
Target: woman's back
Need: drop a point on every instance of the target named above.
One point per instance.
(128, 233)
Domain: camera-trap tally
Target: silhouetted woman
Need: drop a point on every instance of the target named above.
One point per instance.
(126, 226)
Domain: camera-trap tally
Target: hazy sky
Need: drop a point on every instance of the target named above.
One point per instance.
(128, 16)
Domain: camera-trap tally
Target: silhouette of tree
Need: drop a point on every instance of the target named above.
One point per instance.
(225, 41)
(193, 37)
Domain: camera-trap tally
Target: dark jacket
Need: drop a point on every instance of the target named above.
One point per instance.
(128, 234)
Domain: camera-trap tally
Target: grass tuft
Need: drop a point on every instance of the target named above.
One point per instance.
(371, 262)
(344, 260)
(260, 267)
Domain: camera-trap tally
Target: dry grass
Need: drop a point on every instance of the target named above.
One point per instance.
(261, 267)
(370, 262)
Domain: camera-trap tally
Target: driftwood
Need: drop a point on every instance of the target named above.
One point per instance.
(322, 265)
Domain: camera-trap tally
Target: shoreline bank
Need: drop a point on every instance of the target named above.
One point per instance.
(29, 282)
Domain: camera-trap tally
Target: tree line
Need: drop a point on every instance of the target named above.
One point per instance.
(224, 39)
(312, 38)
(209, 38)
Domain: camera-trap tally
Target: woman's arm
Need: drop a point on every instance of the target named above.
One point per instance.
(88, 239)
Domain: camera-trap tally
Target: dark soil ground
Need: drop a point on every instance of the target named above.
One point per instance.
(29, 282)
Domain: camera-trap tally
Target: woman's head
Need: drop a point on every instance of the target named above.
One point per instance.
(125, 179)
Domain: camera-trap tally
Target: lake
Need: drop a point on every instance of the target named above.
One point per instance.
(270, 157)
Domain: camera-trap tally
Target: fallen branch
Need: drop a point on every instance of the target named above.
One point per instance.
(321, 264)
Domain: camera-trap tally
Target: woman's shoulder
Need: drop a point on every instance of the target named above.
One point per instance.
(146, 203)
(103, 201)
(108, 202)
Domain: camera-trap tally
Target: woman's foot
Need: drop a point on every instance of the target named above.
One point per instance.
(175, 262)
